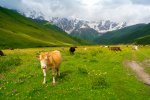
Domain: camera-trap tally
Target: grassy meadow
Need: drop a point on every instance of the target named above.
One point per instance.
(92, 74)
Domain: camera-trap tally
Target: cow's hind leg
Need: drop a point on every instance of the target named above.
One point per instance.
(44, 73)
(58, 72)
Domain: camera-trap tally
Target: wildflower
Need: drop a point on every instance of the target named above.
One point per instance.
(14, 90)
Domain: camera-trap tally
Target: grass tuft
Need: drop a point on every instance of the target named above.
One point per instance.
(99, 82)
(82, 71)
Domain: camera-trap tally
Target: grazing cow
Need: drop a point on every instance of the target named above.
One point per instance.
(115, 48)
(50, 60)
(72, 50)
(1, 53)
(135, 47)
(106, 46)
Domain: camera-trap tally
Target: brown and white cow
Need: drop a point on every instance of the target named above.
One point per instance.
(50, 60)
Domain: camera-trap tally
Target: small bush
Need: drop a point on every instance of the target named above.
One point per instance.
(98, 80)
(99, 83)
(7, 63)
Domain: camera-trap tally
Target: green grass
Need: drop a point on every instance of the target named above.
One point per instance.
(17, 31)
(8, 62)
(92, 74)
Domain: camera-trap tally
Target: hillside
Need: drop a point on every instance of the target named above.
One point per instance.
(138, 34)
(17, 31)
(85, 33)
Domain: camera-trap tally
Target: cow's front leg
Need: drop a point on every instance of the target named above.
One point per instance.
(53, 75)
(44, 73)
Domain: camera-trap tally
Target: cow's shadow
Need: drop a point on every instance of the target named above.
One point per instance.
(65, 74)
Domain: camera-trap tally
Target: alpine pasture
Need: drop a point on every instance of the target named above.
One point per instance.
(92, 74)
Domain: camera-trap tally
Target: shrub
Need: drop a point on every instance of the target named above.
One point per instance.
(98, 80)
(99, 83)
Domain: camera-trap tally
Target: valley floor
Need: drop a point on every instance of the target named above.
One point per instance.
(93, 73)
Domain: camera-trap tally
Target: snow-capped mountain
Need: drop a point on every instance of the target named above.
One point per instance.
(72, 24)
(87, 30)
(69, 25)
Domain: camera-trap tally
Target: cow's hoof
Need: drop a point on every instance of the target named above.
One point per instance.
(43, 82)
(54, 84)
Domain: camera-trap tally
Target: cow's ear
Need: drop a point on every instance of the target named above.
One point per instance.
(38, 57)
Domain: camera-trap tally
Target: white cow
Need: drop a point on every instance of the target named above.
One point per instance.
(135, 47)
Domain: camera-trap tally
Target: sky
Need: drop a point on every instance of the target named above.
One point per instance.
(130, 11)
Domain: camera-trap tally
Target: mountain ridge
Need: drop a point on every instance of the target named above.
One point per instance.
(69, 24)
(83, 29)
(102, 26)
(17, 31)
(137, 34)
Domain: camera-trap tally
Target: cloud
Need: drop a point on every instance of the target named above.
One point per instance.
(55, 8)
(127, 11)
(141, 2)
(131, 11)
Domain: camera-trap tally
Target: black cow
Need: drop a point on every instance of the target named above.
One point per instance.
(1, 53)
(72, 50)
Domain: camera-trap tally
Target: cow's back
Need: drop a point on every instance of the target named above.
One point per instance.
(55, 58)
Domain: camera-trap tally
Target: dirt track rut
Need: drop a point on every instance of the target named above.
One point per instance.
(139, 71)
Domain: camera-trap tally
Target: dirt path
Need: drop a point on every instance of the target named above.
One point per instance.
(139, 71)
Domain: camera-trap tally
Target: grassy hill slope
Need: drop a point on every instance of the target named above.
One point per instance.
(85, 33)
(139, 34)
(17, 31)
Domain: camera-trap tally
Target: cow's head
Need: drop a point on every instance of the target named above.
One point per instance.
(43, 57)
